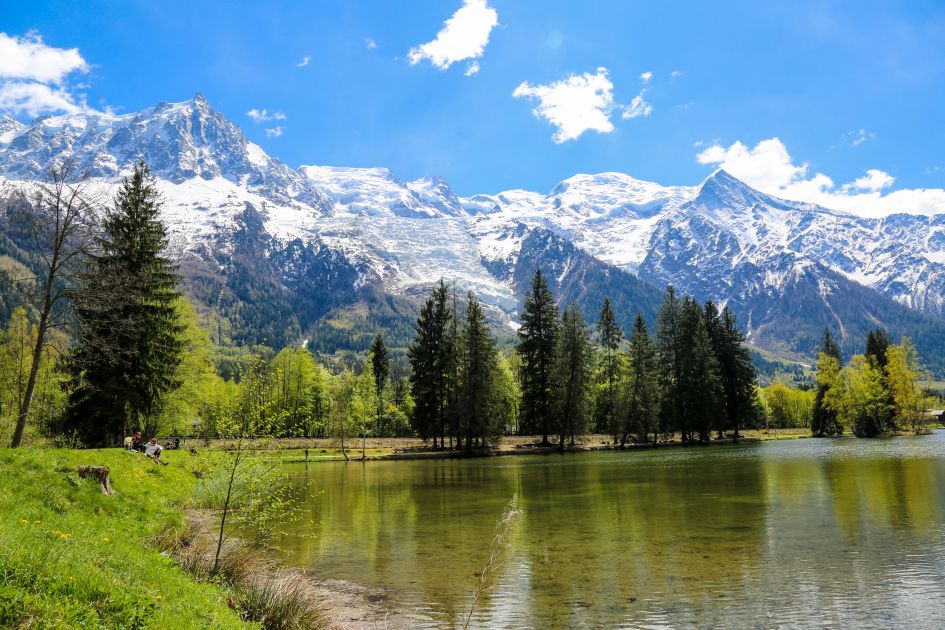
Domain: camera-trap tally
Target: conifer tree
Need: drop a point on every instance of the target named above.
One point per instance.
(380, 362)
(537, 348)
(574, 361)
(669, 347)
(476, 380)
(454, 356)
(129, 344)
(609, 337)
(736, 369)
(430, 358)
(824, 418)
(642, 386)
(699, 387)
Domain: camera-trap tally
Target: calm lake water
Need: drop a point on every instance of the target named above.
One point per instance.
(839, 532)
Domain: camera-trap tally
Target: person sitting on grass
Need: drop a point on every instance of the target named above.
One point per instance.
(137, 443)
(153, 450)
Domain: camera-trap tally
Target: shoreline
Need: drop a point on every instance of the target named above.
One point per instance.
(293, 450)
(342, 604)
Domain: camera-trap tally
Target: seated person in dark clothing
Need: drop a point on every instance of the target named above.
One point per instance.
(137, 442)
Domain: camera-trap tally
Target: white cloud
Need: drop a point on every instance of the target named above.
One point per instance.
(370, 43)
(472, 68)
(263, 115)
(874, 180)
(575, 104)
(675, 74)
(463, 36)
(36, 99)
(858, 137)
(769, 168)
(305, 61)
(29, 58)
(646, 76)
(637, 107)
(274, 132)
(34, 77)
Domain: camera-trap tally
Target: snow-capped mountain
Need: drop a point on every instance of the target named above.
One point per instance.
(317, 237)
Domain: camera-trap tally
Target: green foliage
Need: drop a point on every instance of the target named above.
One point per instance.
(643, 391)
(537, 348)
(572, 376)
(825, 416)
(430, 366)
(17, 342)
(785, 407)
(902, 372)
(609, 371)
(482, 414)
(866, 400)
(130, 335)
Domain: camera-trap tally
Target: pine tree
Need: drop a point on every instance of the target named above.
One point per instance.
(476, 380)
(572, 375)
(453, 361)
(699, 387)
(609, 337)
(130, 335)
(380, 362)
(824, 418)
(537, 347)
(669, 347)
(642, 386)
(430, 357)
(736, 369)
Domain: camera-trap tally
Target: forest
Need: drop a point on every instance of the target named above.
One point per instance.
(105, 343)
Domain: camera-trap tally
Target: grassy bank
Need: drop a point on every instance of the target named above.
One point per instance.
(73, 557)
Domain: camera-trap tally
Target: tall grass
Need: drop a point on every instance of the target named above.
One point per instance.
(500, 542)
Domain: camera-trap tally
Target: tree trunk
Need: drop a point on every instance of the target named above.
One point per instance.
(24, 410)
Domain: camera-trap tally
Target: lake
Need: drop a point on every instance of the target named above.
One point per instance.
(840, 532)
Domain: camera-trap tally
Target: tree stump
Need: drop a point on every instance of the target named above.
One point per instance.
(100, 473)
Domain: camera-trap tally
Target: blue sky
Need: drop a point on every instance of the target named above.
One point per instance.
(851, 91)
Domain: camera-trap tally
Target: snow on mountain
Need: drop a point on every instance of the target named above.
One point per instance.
(720, 239)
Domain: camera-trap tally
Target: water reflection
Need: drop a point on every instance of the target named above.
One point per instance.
(809, 532)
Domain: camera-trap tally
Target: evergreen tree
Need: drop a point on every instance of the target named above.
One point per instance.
(537, 348)
(430, 357)
(476, 381)
(699, 387)
(454, 351)
(609, 337)
(824, 418)
(736, 370)
(877, 346)
(129, 344)
(642, 386)
(572, 375)
(669, 347)
(877, 343)
(380, 362)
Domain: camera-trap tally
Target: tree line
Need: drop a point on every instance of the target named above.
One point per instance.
(108, 345)
(693, 377)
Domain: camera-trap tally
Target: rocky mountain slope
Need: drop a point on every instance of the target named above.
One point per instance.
(278, 253)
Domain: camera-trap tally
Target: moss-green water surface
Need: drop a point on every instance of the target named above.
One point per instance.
(842, 532)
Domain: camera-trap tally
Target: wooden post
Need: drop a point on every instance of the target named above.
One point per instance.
(100, 473)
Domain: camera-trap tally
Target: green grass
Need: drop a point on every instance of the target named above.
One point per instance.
(73, 557)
